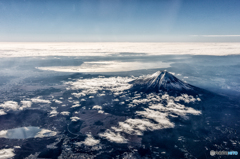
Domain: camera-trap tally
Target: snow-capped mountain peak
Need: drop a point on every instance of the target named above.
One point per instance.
(162, 81)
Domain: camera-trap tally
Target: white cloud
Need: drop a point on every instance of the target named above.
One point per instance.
(38, 100)
(75, 118)
(101, 112)
(9, 105)
(135, 126)
(78, 95)
(113, 137)
(186, 98)
(175, 108)
(159, 117)
(102, 94)
(45, 133)
(6, 153)
(25, 104)
(76, 105)
(93, 85)
(65, 113)
(3, 133)
(53, 113)
(96, 107)
(13, 106)
(76, 102)
(140, 101)
(158, 112)
(149, 99)
(131, 105)
(108, 66)
(57, 101)
(2, 112)
(116, 100)
(89, 141)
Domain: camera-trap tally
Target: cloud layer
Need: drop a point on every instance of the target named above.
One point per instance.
(93, 85)
(107, 66)
(159, 108)
(107, 49)
(160, 113)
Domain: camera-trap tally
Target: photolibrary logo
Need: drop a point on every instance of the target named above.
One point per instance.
(213, 153)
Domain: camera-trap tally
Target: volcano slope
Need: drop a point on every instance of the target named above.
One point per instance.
(178, 119)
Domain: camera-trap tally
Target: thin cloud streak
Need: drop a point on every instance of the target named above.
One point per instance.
(215, 35)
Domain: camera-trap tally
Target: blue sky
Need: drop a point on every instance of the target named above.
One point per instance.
(120, 20)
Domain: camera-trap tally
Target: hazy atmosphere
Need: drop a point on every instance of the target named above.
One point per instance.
(125, 79)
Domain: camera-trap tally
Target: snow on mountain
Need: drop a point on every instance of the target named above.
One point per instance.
(162, 81)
